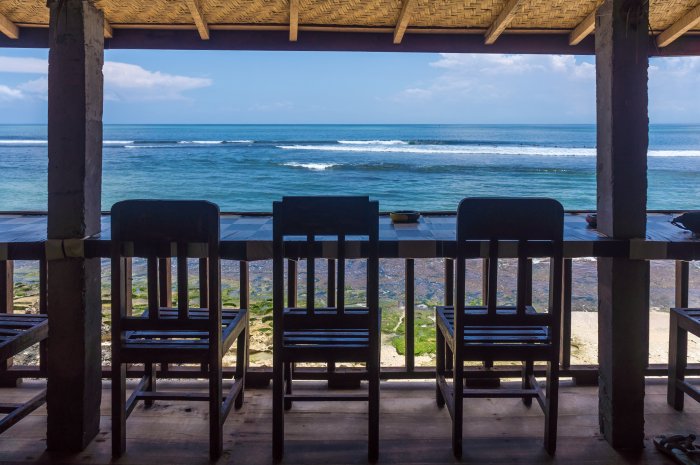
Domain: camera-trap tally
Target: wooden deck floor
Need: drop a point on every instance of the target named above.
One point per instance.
(413, 431)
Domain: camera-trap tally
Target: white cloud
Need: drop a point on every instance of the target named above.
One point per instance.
(8, 93)
(26, 65)
(123, 81)
(35, 86)
(505, 88)
(143, 84)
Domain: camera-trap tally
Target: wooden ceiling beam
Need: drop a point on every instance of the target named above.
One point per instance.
(404, 19)
(502, 22)
(107, 29)
(584, 29)
(680, 27)
(8, 28)
(198, 17)
(293, 20)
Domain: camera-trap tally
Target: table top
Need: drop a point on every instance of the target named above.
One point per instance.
(247, 237)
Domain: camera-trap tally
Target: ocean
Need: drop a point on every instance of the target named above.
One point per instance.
(421, 167)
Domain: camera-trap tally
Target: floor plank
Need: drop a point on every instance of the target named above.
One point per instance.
(413, 430)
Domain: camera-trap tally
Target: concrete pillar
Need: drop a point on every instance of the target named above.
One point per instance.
(76, 57)
(621, 39)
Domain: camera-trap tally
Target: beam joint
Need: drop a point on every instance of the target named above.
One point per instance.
(8, 28)
(293, 20)
(680, 27)
(584, 29)
(404, 19)
(502, 21)
(198, 17)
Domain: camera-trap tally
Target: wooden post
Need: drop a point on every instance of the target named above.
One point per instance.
(621, 41)
(76, 56)
(7, 306)
(410, 311)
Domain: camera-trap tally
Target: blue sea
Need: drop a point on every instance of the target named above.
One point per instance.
(422, 167)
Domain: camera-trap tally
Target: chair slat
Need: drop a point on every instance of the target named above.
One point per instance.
(492, 285)
(152, 281)
(310, 274)
(182, 281)
(341, 274)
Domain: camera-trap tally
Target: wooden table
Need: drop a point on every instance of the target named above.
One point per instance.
(248, 237)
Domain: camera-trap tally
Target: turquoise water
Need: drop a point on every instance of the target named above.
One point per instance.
(423, 167)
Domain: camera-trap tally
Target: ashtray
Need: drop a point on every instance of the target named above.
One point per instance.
(592, 220)
(404, 216)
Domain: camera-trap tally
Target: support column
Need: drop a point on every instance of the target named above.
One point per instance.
(622, 38)
(76, 57)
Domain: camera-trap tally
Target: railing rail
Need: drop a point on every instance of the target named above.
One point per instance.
(10, 374)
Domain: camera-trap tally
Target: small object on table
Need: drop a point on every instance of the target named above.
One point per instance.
(404, 216)
(690, 221)
(592, 220)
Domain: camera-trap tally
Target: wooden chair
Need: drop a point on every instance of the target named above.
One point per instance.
(155, 229)
(18, 333)
(683, 321)
(324, 334)
(503, 333)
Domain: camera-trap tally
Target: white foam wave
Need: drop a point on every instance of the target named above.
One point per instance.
(311, 166)
(214, 142)
(22, 141)
(478, 150)
(372, 142)
(117, 142)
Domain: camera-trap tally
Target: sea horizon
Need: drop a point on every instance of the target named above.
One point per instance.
(428, 167)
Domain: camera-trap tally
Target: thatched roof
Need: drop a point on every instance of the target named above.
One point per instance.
(669, 19)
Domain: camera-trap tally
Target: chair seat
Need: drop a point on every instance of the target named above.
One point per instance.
(155, 344)
(325, 335)
(500, 338)
(19, 332)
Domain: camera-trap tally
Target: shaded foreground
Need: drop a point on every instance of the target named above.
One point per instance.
(412, 430)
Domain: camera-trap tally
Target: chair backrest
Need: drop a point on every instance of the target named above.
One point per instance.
(337, 217)
(155, 229)
(535, 225)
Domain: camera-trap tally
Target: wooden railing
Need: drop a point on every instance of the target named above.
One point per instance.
(584, 374)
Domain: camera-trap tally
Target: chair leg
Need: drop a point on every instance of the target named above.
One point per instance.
(528, 369)
(373, 426)
(118, 408)
(277, 410)
(150, 372)
(241, 365)
(288, 372)
(458, 382)
(552, 407)
(216, 433)
(677, 360)
(439, 365)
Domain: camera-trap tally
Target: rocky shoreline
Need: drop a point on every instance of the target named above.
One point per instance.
(428, 293)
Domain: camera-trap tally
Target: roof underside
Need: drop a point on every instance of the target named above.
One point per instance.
(572, 20)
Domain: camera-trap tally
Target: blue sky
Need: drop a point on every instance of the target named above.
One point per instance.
(306, 87)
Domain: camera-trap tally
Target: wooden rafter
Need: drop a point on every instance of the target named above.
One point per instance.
(293, 20)
(108, 29)
(404, 18)
(584, 29)
(680, 27)
(8, 28)
(198, 16)
(502, 22)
